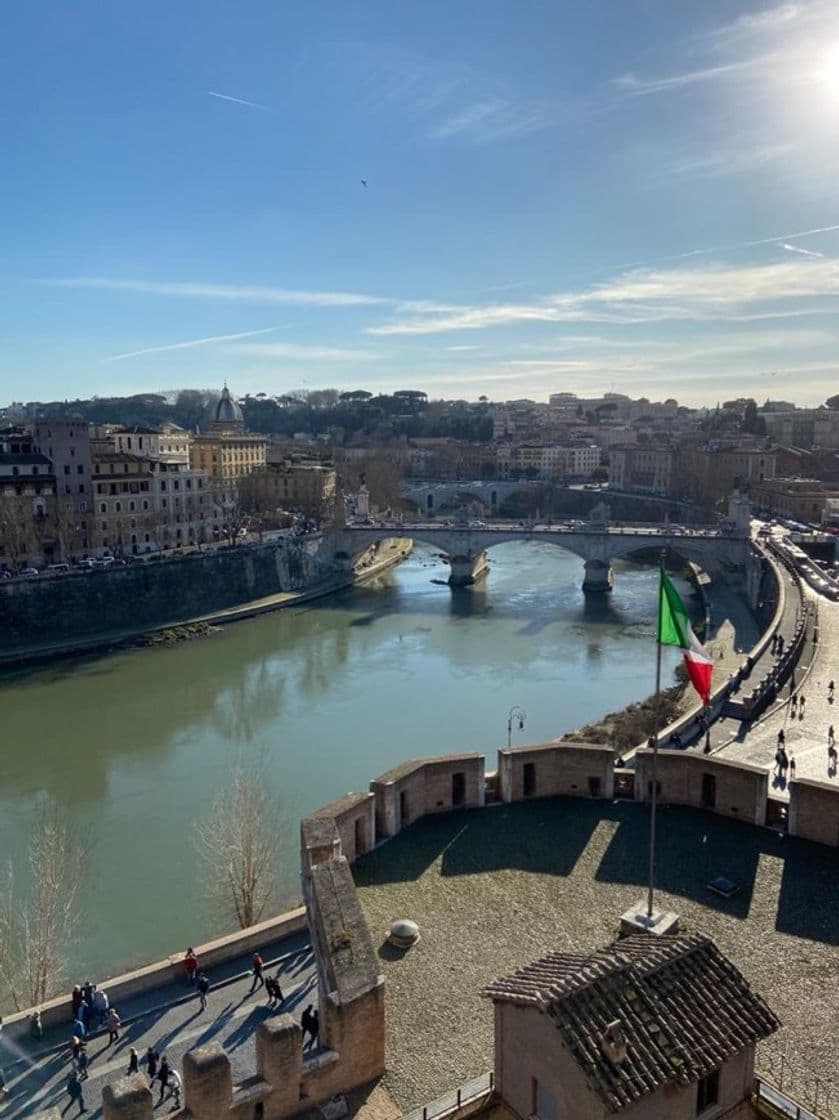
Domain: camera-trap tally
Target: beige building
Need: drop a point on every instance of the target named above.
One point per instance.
(123, 513)
(710, 472)
(225, 451)
(654, 1028)
(802, 499)
(291, 486)
(643, 470)
(27, 502)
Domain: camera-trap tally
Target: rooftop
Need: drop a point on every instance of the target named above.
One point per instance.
(683, 1008)
(494, 889)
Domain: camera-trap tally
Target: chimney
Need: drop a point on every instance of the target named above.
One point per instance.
(613, 1043)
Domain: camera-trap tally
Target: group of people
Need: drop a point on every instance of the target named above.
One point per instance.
(783, 761)
(158, 1069)
(778, 644)
(196, 976)
(92, 1011)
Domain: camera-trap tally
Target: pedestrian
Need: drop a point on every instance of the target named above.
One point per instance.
(133, 1061)
(802, 700)
(74, 1088)
(175, 1086)
(113, 1024)
(101, 1007)
(79, 1027)
(277, 992)
(75, 1046)
(778, 759)
(36, 1027)
(314, 1027)
(794, 705)
(163, 1075)
(781, 738)
(791, 768)
(203, 988)
(190, 965)
(784, 762)
(81, 1064)
(87, 991)
(151, 1064)
(774, 642)
(86, 1015)
(306, 1022)
(831, 738)
(257, 965)
(830, 687)
(77, 1000)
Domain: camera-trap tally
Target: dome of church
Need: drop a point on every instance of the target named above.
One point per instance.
(227, 409)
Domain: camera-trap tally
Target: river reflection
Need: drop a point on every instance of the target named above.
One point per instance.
(326, 696)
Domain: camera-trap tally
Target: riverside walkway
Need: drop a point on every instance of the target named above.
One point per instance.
(170, 1019)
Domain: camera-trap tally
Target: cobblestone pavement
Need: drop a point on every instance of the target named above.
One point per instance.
(493, 889)
(168, 1018)
(806, 734)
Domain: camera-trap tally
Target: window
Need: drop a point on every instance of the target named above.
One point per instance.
(118, 507)
(113, 488)
(103, 507)
(542, 1102)
(132, 506)
(707, 1091)
(80, 468)
(66, 468)
(81, 488)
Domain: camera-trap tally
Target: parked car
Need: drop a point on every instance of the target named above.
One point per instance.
(28, 571)
(58, 569)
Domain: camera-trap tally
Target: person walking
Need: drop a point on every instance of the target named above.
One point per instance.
(151, 1064)
(781, 738)
(81, 1064)
(79, 1027)
(74, 1088)
(133, 1061)
(113, 1024)
(87, 991)
(257, 965)
(314, 1028)
(77, 998)
(191, 965)
(791, 768)
(203, 988)
(802, 700)
(306, 1022)
(101, 1007)
(794, 705)
(831, 738)
(163, 1076)
(175, 1086)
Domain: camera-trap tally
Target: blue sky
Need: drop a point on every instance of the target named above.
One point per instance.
(618, 194)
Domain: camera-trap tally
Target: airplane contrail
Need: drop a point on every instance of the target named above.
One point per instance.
(237, 100)
(189, 344)
(796, 249)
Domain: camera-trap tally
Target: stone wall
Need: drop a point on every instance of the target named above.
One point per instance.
(551, 769)
(733, 789)
(427, 785)
(355, 820)
(814, 811)
(84, 607)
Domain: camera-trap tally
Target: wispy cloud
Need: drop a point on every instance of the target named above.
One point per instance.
(246, 293)
(647, 295)
(750, 25)
(633, 85)
(294, 350)
(496, 118)
(454, 349)
(736, 161)
(237, 100)
(189, 344)
(797, 249)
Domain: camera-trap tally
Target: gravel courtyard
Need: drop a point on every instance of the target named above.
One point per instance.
(493, 889)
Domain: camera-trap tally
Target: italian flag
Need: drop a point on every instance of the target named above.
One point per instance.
(674, 629)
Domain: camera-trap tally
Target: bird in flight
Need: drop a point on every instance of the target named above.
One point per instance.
(364, 182)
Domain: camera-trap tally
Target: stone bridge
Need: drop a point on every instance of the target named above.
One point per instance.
(714, 550)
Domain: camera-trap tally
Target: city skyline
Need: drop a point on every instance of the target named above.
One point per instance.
(461, 201)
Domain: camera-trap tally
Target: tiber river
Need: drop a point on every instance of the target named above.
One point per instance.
(138, 744)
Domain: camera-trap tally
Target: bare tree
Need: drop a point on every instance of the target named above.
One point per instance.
(36, 931)
(238, 844)
(18, 537)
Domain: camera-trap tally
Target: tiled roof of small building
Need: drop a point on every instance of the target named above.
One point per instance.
(683, 1007)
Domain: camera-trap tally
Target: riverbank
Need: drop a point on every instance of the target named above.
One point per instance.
(201, 625)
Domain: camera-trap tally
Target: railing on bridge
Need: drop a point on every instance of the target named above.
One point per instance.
(474, 1093)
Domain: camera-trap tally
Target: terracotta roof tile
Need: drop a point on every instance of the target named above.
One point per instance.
(683, 1007)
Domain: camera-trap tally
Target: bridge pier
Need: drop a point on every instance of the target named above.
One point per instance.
(464, 570)
(598, 577)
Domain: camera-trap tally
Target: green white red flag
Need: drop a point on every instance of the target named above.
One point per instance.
(674, 629)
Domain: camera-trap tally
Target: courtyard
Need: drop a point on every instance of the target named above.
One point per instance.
(495, 888)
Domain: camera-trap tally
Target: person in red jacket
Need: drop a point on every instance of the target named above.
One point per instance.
(191, 965)
(257, 964)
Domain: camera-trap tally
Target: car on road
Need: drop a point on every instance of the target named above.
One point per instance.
(29, 572)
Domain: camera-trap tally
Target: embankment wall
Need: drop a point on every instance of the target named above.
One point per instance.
(86, 606)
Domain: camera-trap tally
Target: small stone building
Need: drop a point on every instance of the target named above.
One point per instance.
(649, 1027)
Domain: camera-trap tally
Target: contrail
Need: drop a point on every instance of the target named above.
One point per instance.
(189, 343)
(781, 237)
(795, 249)
(237, 100)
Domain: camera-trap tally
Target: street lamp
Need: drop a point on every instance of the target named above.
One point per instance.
(515, 714)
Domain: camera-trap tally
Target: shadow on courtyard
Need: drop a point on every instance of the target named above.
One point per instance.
(549, 836)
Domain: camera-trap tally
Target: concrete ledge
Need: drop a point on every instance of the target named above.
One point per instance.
(167, 971)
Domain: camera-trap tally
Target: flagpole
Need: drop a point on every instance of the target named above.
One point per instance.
(654, 790)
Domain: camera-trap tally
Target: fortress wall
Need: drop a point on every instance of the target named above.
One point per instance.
(733, 789)
(355, 820)
(814, 811)
(432, 785)
(551, 769)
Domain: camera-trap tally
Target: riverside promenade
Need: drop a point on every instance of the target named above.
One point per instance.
(169, 1018)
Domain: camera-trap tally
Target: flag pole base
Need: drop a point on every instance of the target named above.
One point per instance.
(636, 920)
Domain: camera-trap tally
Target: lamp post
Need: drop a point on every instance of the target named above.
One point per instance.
(519, 715)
